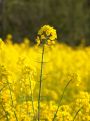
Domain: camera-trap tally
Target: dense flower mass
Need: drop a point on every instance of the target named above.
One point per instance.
(19, 81)
(46, 35)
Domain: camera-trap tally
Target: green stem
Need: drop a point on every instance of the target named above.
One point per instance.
(77, 113)
(12, 101)
(40, 86)
(5, 112)
(55, 115)
(32, 98)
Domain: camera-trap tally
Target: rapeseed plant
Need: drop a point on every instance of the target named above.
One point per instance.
(46, 36)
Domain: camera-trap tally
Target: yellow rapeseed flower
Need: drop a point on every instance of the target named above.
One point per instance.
(46, 35)
(9, 37)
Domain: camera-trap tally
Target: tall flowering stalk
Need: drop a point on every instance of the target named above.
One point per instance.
(55, 115)
(46, 36)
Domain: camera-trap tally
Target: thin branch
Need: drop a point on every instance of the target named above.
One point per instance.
(77, 113)
(55, 115)
(12, 100)
(40, 86)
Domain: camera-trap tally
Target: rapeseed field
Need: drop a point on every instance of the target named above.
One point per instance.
(49, 81)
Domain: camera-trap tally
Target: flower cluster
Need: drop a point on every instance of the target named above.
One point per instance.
(46, 35)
